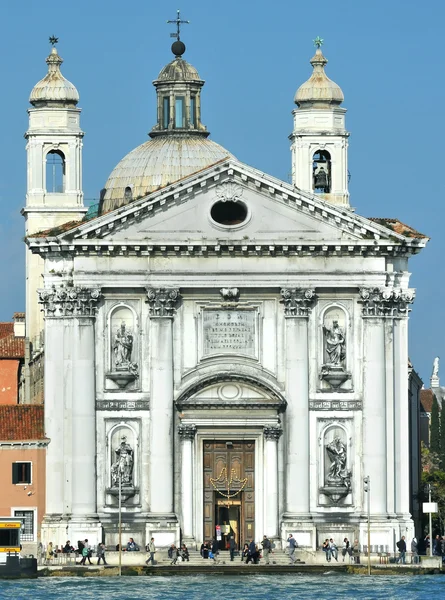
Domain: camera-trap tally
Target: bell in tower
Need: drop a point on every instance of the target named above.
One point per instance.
(322, 172)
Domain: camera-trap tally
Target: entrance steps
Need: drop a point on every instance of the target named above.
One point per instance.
(278, 557)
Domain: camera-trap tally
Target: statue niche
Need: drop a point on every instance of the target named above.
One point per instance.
(121, 463)
(337, 476)
(123, 367)
(333, 369)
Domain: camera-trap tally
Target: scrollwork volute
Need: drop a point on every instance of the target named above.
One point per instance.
(386, 302)
(298, 302)
(65, 301)
(163, 302)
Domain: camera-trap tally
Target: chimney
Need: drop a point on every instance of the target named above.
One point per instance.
(19, 324)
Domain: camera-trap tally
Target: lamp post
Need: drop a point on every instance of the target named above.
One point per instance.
(430, 507)
(430, 521)
(367, 490)
(120, 522)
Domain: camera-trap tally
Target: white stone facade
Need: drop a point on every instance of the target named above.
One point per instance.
(230, 348)
(179, 282)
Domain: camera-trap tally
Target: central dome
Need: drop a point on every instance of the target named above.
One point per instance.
(157, 163)
(179, 146)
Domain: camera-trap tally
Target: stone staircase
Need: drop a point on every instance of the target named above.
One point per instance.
(278, 557)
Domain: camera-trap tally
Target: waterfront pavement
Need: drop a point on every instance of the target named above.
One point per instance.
(134, 563)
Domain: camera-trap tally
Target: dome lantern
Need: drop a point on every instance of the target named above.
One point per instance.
(179, 146)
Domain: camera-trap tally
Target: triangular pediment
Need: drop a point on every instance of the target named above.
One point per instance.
(277, 214)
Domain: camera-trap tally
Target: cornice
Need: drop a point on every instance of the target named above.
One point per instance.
(362, 248)
(29, 444)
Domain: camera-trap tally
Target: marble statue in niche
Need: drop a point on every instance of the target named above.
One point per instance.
(335, 344)
(122, 467)
(336, 475)
(124, 369)
(333, 369)
(123, 347)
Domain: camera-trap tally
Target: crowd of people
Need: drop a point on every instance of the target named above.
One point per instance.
(251, 552)
(349, 551)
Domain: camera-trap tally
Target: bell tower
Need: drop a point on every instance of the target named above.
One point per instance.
(319, 139)
(54, 165)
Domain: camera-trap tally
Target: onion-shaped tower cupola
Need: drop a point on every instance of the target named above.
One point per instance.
(319, 139)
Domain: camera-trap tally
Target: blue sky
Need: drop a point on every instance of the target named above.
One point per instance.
(386, 56)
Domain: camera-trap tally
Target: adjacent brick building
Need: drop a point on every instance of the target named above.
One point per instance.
(22, 468)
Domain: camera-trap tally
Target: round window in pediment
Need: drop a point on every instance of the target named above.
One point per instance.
(229, 213)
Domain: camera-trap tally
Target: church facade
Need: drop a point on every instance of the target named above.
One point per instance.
(225, 351)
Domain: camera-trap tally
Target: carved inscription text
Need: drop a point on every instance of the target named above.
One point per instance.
(229, 331)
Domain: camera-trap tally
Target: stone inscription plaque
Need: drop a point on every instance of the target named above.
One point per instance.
(229, 332)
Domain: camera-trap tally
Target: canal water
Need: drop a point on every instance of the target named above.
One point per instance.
(329, 586)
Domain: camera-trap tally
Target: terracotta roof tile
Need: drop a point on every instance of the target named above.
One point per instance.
(426, 400)
(398, 227)
(6, 329)
(20, 422)
(12, 347)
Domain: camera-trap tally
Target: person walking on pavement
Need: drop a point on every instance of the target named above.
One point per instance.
(267, 547)
(401, 545)
(86, 553)
(152, 549)
(101, 554)
(232, 548)
(291, 548)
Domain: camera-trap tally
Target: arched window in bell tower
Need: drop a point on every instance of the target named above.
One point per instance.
(321, 172)
(55, 172)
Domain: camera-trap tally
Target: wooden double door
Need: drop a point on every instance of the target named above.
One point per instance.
(229, 491)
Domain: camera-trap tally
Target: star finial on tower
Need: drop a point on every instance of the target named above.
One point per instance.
(318, 42)
(53, 40)
(178, 22)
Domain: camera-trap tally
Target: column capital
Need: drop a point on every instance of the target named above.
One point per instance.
(298, 302)
(66, 301)
(272, 433)
(386, 302)
(187, 432)
(163, 301)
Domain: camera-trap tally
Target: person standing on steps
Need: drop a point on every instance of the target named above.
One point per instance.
(215, 550)
(291, 548)
(152, 549)
(347, 549)
(356, 552)
(232, 548)
(267, 547)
